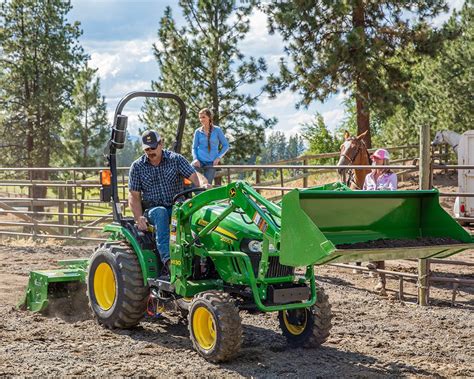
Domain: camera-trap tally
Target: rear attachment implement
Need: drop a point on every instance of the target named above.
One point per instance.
(45, 285)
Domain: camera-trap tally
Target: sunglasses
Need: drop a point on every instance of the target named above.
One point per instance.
(151, 149)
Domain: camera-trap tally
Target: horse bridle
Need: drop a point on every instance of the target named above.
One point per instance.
(350, 171)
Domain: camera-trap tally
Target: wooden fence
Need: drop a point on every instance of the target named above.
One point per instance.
(70, 207)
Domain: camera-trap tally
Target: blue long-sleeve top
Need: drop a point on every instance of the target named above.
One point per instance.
(201, 151)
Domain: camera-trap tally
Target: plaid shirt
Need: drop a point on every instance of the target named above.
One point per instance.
(159, 184)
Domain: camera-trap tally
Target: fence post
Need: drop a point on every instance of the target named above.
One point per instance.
(257, 179)
(424, 184)
(402, 176)
(61, 209)
(305, 178)
(70, 205)
(446, 157)
(282, 182)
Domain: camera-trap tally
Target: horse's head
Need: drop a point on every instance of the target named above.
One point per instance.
(350, 150)
(438, 139)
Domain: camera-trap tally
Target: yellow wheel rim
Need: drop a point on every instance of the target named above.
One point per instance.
(104, 286)
(204, 328)
(296, 330)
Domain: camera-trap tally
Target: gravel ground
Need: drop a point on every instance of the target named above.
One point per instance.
(372, 336)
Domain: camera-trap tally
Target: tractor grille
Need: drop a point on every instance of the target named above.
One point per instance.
(275, 269)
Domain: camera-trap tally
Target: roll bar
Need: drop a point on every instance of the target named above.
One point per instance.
(111, 147)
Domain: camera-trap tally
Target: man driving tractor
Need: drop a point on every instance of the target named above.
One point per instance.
(154, 179)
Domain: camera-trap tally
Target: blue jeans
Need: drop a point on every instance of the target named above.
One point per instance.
(208, 170)
(160, 218)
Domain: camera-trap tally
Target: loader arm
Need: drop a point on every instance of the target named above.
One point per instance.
(261, 211)
(267, 217)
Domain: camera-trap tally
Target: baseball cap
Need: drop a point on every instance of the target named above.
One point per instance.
(381, 154)
(150, 138)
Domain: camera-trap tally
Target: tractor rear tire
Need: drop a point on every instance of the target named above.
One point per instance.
(215, 326)
(115, 288)
(308, 327)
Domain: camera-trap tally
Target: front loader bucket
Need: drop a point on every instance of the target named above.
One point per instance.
(321, 226)
(46, 284)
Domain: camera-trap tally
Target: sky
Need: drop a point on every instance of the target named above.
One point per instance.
(118, 36)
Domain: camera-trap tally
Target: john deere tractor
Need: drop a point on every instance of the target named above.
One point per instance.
(224, 258)
(233, 250)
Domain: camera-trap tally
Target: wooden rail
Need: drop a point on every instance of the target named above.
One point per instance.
(65, 205)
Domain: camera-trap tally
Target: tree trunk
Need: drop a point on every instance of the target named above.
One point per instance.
(363, 118)
(362, 95)
(215, 65)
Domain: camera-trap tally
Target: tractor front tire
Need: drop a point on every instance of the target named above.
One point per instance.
(215, 326)
(307, 327)
(115, 288)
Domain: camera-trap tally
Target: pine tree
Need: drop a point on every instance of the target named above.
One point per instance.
(319, 138)
(441, 90)
(201, 63)
(40, 54)
(84, 123)
(295, 146)
(353, 45)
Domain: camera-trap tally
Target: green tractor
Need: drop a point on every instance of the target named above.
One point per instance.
(233, 250)
(224, 258)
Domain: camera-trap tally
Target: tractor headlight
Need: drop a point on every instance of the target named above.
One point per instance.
(255, 246)
(251, 246)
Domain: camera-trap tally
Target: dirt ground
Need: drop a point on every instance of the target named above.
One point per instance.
(372, 336)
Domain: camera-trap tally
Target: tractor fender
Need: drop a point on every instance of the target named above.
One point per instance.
(146, 256)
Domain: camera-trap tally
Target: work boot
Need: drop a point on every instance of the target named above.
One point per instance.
(355, 271)
(380, 288)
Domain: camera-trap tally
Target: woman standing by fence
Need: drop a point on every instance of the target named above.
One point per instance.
(209, 145)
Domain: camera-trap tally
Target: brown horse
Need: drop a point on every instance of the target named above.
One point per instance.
(354, 152)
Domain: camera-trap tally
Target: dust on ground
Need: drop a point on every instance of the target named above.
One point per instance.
(372, 336)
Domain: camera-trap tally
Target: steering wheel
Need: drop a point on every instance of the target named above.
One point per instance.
(187, 191)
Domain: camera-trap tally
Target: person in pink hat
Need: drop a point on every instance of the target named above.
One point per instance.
(386, 180)
(380, 178)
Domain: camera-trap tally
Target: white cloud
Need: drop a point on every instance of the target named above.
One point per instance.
(113, 58)
(258, 39)
(259, 43)
(333, 117)
(107, 64)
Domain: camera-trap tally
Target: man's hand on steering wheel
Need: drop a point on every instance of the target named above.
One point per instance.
(188, 191)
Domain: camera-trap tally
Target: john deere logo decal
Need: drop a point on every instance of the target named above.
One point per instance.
(232, 192)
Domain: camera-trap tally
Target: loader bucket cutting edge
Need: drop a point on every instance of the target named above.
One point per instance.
(45, 284)
(315, 221)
